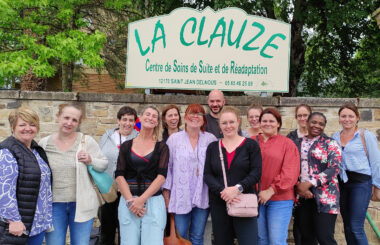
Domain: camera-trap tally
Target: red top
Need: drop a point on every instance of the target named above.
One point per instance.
(230, 155)
(280, 166)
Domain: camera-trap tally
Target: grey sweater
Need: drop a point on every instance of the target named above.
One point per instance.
(110, 149)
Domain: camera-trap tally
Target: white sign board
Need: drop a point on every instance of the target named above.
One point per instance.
(205, 50)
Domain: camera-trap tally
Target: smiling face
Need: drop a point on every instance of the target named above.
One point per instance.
(229, 124)
(172, 118)
(69, 120)
(194, 120)
(316, 125)
(301, 115)
(269, 125)
(24, 131)
(149, 118)
(348, 119)
(253, 116)
(216, 101)
(126, 124)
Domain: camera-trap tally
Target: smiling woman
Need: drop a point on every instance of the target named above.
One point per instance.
(185, 193)
(140, 172)
(171, 121)
(110, 144)
(280, 172)
(75, 203)
(317, 189)
(25, 188)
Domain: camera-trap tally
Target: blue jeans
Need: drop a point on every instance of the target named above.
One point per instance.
(36, 239)
(63, 217)
(354, 201)
(196, 220)
(273, 222)
(148, 230)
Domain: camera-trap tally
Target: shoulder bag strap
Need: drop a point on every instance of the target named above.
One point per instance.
(363, 142)
(83, 142)
(222, 163)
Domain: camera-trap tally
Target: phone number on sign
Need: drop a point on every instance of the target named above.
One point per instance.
(238, 83)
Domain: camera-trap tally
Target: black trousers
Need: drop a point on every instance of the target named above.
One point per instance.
(226, 228)
(109, 222)
(314, 227)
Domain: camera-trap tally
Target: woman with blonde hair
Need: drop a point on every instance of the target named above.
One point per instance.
(25, 187)
(140, 173)
(253, 115)
(242, 161)
(75, 203)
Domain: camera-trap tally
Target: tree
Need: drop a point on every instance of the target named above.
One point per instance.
(40, 38)
(325, 36)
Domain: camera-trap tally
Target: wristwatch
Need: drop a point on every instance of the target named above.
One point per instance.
(240, 188)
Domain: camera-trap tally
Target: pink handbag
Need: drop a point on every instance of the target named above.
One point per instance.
(248, 205)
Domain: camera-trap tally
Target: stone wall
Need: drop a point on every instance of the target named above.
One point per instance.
(101, 109)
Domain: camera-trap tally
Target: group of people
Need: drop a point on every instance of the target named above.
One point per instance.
(46, 188)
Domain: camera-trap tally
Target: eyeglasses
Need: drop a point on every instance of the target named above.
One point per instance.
(302, 115)
(199, 114)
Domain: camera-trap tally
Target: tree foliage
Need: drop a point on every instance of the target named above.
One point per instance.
(43, 36)
(334, 43)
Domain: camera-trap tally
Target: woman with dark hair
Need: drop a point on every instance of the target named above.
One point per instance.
(25, 187)
(281, 168)
(75, 202)
(140, 173)
(171, 121)
(110, 145)
(302, 113)
(253, 115)
(186, 194)
(360, 170)
(317, 189)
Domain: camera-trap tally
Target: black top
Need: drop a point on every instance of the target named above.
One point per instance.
(245, 168)
(146, 172)
(212, 126)
(293, 135)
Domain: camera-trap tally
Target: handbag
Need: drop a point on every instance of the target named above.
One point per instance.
(174, 238)
(248, 205)
(375, 191)
(103, 184)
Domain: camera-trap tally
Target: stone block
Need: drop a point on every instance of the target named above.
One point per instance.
(97, 97)
(55, 96)
(108, 120)
(175, 99)
(376, 114)
(369, 103)
(9, 94)
(366, 115)
(314, 101)
(14, 104)
(100, 113)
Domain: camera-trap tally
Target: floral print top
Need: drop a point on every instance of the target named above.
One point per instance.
(324, 160)
(43, 217)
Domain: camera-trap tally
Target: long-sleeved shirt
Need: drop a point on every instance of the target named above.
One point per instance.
(185, 172)
(245, 169)
(281, 166)
(8, 203)
(355, 159)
